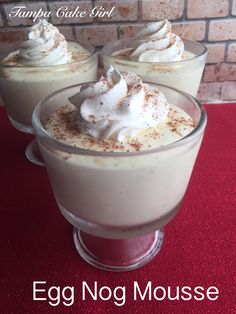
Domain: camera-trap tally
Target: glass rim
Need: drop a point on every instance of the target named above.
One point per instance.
(55, 66)
(40, 130)
(165, 63)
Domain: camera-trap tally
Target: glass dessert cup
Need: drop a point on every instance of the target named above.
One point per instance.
(118, 202)
(184, 75)
(22, 87)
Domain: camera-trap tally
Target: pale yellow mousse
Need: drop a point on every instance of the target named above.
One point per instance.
(61, 125)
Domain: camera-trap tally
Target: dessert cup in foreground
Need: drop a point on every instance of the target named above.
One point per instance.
(120, 183)
(32, 69)
(159, 56)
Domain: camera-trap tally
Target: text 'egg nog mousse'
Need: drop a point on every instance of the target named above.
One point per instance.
(158, 55)
(117, 153)
(38, 66)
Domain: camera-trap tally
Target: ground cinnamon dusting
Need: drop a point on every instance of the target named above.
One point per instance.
(62, 125)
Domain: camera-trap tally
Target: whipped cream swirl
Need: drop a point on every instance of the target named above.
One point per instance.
(45, 46)
(118, 107)
(156, 43)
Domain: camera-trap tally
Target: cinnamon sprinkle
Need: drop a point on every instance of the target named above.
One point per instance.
(62, 125)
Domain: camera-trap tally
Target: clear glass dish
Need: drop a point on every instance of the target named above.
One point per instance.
(184, 75)
(22, 87)
(118, 202)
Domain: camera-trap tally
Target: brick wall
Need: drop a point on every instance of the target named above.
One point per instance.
(210, 21)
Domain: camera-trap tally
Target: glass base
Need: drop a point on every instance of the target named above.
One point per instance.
(22, 127)
(33, 154)
(118, 254)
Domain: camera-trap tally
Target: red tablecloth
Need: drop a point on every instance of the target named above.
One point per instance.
(199, 247)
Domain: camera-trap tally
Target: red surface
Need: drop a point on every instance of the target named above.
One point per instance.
(199, 247)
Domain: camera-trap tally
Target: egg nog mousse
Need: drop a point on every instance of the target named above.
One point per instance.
(119, 155)
(120, 113)
(38, 66)
(118, 160)
(158, 55)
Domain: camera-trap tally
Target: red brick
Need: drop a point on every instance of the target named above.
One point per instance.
(85, 6)
(159, 9)
(97, 35)
(67, 31)
(222, 29)
(9, 36)
(216, 53)
(190, 30)
(228, 91)
(209, 91)
(101, 72)
(29, 6)
(100, 62)
(1, 21)
(211, 73)
(129, 31)
(234, 7)
(227, 72)
(207, 8)
(231, 53)
(125, 10)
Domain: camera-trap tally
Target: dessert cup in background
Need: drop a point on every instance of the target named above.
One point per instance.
(159, 56)
(32, 69)
(23, 86)
(117, 195)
